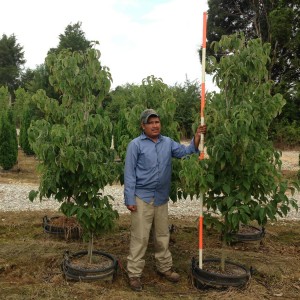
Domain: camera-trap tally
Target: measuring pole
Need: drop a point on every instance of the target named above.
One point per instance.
(201, 156)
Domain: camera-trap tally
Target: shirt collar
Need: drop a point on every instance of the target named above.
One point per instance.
(144, 137)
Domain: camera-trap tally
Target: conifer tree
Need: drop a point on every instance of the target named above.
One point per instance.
(8, 145)
(25, 123)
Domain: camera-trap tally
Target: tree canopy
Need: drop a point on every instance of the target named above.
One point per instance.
(73, 39)
(72, 141)
(275, 22)
(242, 180)
(11, 61)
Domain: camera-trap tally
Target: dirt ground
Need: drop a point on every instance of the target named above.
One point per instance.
(23, 172)
(30, 259)
(30, 262)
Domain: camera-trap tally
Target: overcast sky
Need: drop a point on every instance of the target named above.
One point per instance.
(137, 38)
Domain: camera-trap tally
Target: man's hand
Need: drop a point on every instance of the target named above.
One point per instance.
(200, 130)
(132, 207)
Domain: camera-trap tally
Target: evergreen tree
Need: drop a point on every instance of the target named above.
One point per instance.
(4, 99)
(12, 122)
(11, 62)
(72, 39)
(22, 100)
(187, 106)
(25, 124)
(8, 145)
(40, 80)
(275, 22)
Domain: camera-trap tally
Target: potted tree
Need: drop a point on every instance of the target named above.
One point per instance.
(241, 179)
(72, 143)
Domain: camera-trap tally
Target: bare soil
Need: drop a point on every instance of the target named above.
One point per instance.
(30, 262)
(98, 262)
(23, 172)
(229, 269)
(30, 259)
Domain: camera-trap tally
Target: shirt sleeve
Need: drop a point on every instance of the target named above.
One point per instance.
(179, 150)
(130, 174)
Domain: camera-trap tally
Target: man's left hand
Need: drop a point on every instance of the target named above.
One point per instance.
(201, 129)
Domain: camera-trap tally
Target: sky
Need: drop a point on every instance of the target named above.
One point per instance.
(138, 38)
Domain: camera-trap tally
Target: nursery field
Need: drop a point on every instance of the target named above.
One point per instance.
(30, 259)
(30, 262)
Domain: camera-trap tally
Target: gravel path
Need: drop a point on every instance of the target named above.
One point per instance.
(290, 160)
(14, 196)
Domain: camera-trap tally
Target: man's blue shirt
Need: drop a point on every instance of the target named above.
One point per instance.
(148, 168)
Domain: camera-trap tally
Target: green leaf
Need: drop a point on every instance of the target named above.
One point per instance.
(32, 195)
(235, 221)
(226, 189)
(246, 209)
(229, 201)
(246, 184)
(262, 214)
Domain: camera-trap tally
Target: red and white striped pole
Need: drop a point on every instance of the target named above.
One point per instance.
(201, 156)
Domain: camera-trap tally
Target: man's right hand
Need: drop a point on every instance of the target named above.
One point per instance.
(132, 207)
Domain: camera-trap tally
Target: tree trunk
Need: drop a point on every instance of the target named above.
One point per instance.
(90, 247)
(223, 255)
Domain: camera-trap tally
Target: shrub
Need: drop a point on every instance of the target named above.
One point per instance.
(8, 142)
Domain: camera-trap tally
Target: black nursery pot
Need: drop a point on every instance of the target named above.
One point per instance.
(252, 234)
(48, 228)
(80, 273)
(203, 279)
(62, 232)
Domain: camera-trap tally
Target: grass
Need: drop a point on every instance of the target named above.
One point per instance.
(30, 262)
(30, 259)
(23, 172)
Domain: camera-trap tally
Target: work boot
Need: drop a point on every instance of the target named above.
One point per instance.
(135, 284)
(170, 275)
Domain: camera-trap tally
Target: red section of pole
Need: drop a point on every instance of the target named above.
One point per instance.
(200, 232)
(201, 156)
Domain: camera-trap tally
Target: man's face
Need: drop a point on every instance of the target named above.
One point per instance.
(152, 128)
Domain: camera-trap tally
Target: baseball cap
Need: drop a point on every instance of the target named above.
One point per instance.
(148, 113)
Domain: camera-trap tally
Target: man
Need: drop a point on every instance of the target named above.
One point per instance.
(146, 190)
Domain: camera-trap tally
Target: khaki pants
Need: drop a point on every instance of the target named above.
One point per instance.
(141, 223)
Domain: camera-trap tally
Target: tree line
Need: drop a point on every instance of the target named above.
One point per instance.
(276, 23)
(24, 84)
